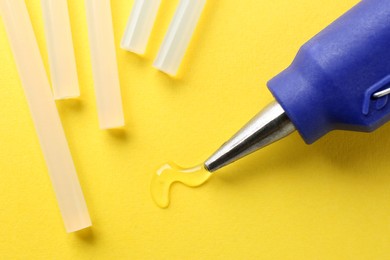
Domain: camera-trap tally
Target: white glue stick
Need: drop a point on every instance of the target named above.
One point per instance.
(140, 25)
(60, 49)
(179, 36)
(104, 64)
(45, 115)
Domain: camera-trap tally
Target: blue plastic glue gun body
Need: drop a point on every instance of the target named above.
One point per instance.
(340, 80)
(332, 81)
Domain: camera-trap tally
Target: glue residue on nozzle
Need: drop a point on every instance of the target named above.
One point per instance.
(171, 173)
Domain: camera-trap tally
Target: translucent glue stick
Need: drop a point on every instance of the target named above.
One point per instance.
(140, 25)
(44, 114)
(104, 64)
(60, 48)
(179, 35)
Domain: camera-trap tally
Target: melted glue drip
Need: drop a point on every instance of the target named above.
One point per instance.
(171, 173)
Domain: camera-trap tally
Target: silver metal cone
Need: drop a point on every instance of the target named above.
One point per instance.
(269, 126)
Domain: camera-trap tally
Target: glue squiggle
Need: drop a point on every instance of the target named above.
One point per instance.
(171, 173)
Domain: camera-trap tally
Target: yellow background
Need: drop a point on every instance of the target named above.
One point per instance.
(330, 200)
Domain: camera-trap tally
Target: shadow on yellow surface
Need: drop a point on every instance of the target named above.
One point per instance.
(350, 152)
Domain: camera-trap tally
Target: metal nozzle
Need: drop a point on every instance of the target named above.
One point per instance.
(269, 126)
